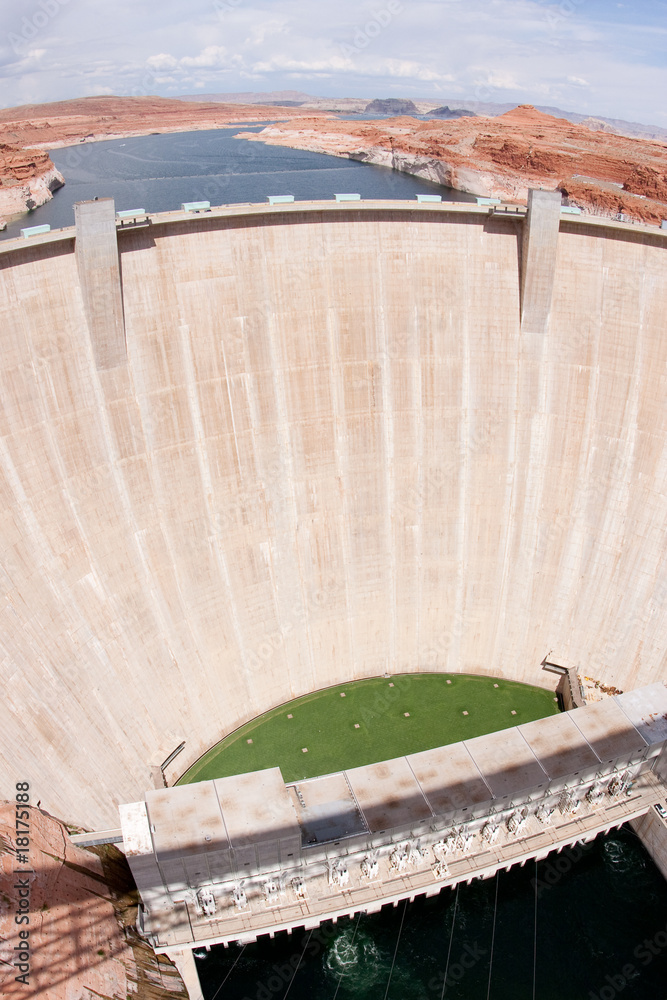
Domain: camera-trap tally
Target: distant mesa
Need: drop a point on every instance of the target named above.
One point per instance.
(391, 106)
(446, 112)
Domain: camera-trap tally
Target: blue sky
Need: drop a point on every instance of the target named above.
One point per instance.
(592, 56)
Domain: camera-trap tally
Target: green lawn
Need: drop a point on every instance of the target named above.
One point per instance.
(324, 722)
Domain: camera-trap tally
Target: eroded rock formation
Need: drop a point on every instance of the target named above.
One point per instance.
(447, 112)
(391, 106)
(82, 908)
(28, 178)
(502, 157)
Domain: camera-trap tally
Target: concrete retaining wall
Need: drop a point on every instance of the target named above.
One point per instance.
(652, 831)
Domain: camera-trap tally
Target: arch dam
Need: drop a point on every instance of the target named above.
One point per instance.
(257, 451)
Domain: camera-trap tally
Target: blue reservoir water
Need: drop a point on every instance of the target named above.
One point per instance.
(593, 927)
(159, 172)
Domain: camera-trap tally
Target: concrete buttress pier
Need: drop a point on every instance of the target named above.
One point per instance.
(538, 259)
(99, 273)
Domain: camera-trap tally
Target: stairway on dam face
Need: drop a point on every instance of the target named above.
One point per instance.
(331, 438)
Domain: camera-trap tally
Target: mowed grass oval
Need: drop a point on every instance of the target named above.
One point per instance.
(370, 720)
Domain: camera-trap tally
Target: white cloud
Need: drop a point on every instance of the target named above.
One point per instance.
(162, 61)
(282, 63)
(503, 50)
(267, 30)
(501, 81)
(212, 55)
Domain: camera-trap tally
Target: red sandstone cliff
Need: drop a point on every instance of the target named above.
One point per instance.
(76, 945)
(501, 157)
(28, 178)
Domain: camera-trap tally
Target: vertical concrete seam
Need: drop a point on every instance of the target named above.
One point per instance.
(462, 521)
(289, 513)
(204, 465)
(391, 525)
(168, 633)
(337, 377)
(418, 362)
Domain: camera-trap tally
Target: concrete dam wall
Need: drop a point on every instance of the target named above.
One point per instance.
(324, 447)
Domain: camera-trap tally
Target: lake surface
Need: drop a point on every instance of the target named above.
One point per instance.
(599, 911)
(159, 172)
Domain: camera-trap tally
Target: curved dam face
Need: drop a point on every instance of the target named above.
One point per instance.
(326, 449)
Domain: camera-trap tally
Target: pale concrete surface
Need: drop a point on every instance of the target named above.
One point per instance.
(326, 809)
(331, 453)
(185, 963)
(606, 730)
(187, 819)
(450, 778)
(539, 247)
(137, 836)
(646, 709)
(560, 746)
(99, 275)
(652, 831)
(179, 925)
(389, 795)
(506, 762)
(256, 801)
